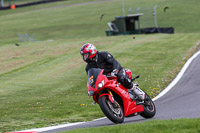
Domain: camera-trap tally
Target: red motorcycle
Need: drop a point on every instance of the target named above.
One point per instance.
(115, 101)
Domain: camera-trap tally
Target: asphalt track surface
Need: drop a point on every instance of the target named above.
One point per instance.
(181, 101)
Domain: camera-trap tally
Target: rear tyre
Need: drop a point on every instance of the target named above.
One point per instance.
(149, 108)
(116, 115)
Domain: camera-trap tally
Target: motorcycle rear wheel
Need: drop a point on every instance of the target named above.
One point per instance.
(116, 115)
(149, 108)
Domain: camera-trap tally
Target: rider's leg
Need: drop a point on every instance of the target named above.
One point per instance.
(140, 93)
(127, 83)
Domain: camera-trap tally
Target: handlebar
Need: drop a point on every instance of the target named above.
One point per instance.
(109, 76)
(135, 78)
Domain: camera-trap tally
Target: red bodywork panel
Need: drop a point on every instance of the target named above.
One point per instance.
(130, 106)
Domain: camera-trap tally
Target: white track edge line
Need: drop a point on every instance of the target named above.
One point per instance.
(59, 126)
(178, 77)
(169, 87)
(52, 127)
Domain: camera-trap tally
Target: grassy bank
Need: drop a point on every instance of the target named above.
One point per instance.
(83, 21)
(155, 126)
(43, 83)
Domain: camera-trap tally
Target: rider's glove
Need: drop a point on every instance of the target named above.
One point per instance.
(114, 72)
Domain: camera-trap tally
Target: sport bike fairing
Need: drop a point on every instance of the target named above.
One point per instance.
(95, 76)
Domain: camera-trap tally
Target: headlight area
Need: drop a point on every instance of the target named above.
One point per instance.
(101, 84)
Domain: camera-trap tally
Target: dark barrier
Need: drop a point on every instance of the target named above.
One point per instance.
(169, 30)
(31, 4)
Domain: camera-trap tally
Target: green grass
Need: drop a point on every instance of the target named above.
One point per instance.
(44, 83)
(45, 6)
(75, 22)
(155, 126)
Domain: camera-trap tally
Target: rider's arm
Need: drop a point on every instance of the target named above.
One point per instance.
(87, 68)
(111, 59)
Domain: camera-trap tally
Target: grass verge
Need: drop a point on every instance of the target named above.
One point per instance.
(155, 126)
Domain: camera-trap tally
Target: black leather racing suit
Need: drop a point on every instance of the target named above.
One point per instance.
(106, 61)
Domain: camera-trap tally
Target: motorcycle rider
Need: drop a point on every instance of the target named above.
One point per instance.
(106, 61)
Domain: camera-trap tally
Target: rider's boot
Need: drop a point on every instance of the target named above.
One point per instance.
(141, 94)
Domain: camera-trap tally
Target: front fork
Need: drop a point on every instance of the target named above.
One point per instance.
(110, 97)
(116, 105)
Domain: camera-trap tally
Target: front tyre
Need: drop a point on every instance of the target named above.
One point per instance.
(149, 108)
(116, 114)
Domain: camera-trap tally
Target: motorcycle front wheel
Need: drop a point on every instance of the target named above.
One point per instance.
(115, 114)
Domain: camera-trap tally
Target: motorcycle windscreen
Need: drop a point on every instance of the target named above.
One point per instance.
(93, 73)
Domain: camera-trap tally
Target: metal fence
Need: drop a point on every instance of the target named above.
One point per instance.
(149, 18)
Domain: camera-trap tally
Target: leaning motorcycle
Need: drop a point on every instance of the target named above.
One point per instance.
(114, 99)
